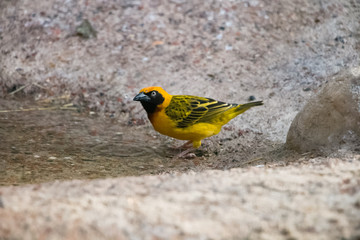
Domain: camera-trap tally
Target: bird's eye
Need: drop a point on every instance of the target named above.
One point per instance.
(153, 94)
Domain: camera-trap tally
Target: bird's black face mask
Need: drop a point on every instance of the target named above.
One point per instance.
(150, 100)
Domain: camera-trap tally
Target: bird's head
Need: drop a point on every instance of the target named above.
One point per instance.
(153, 98)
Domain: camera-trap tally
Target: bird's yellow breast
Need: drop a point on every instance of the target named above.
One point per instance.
(164, 125)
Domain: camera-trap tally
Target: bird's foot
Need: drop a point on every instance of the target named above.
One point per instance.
(186, 154)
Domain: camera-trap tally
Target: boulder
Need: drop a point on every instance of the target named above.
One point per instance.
(329, 118)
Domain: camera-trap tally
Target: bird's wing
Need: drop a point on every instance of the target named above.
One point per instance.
(188, 110)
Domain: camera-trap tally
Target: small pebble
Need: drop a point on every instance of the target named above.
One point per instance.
(252, 98)
(191, 155)
(85, 30)
(339, 39)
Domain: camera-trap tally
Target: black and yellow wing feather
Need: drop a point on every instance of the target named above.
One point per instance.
(188, 110)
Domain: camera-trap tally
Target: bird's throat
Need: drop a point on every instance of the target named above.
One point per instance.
(149, 107)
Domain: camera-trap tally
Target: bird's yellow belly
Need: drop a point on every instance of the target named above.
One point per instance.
(195, 132)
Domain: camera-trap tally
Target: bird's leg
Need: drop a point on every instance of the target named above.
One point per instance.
(185, 145)
(195, 144)
(185, 152)
(188, 148)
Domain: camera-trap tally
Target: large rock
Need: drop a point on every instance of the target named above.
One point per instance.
(291, 202)
(330, 117)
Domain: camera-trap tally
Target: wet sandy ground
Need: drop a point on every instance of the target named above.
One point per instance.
(40, 146)
(47, 145)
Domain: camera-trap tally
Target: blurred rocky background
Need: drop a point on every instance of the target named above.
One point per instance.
(68, 73)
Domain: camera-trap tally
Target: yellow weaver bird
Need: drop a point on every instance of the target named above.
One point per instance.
(187, 117)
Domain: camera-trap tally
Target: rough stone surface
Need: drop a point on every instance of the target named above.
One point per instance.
(330, 117)
(312, 200)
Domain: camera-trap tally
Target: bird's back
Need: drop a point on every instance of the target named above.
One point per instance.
(188, 110)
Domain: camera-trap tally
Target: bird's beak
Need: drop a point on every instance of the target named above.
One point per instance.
(142, 97)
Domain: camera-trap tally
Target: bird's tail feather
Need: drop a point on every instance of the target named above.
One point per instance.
(235, 111)
(243, 107)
